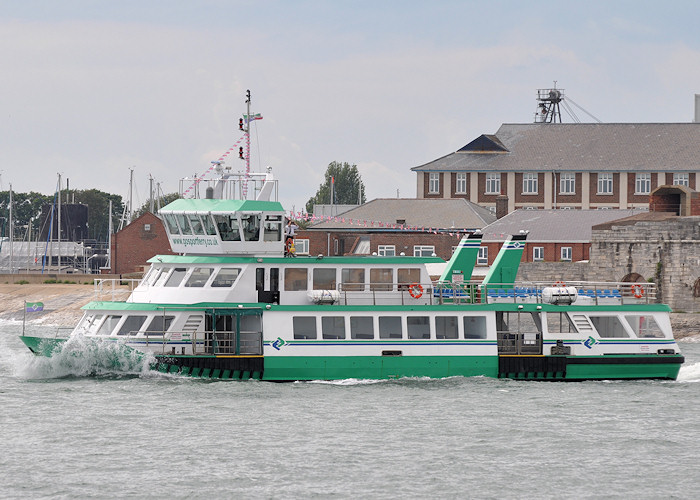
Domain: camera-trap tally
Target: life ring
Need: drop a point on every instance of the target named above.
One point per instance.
(559, 284)
(638, 291)
(416, 290)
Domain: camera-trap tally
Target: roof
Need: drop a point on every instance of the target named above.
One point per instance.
(423, 213)
(639, 217)
(591, 147)
(553, 226)
(220, 206)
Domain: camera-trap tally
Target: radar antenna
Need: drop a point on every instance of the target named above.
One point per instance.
(548, 105)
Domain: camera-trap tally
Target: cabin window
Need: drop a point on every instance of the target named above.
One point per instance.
(196, 223)
(184, 224)
(131, 325)
(209, 227)
(518, 322)
(609, 326)
(159, 325)
(251, 227)
(381, 279)
(390, 327)
(423, 250)
(407, 277)
(559, 322)
(418, 327)
(295, 279)
(273, 228)
(199, 277)
(304, 327)
(333, 327)
(644, 326)
(474, 327)
(152, 276)
(361, 327)
(170, 224)
(446, 327)
(228, 227)
(324, 278)
(386, 250)
(225, 277)
(353, 279)
(176, 276)
(160, 281)
(109, 325)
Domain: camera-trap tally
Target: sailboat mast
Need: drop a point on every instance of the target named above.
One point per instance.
(58, 228)
(12, 253)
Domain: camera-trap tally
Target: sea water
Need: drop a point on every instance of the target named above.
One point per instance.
(72, 431)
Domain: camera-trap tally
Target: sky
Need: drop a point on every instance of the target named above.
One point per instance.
(92, 89)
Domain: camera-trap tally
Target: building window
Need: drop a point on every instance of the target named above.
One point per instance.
(423, 250)
(605, 183)
(642, 184)
(680, 180)
(567, 183)
(434, 183)
(566, 254)
(493, 183)
(529, 183)
(482, 258)
(301, 247)
(537, 254)
(386, 250)
(461, 183)
(147, 227)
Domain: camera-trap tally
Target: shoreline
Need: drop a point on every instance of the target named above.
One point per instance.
(62, 303)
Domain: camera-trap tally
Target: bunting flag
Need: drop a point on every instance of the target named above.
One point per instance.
(199, 179)
(252, 117)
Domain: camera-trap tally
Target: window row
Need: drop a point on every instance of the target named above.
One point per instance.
(352, 279)
(229, 227)
(301, 247)
(198, 277)
(389, 327)
(112, 324)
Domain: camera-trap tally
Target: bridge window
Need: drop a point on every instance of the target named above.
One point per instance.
(609, 326)
(225, 278)
(333, 327)
(446, 327)
(390, 327)
(324, 278)
(184, 224)
(361, 327)
(304, 327)
(228, 227)
(418, 327)
(131, 325)
(295, 279)
(474, 327)
(251, 227)
(273, 228)
(199, 277)
(170, 224)
(209, 226)
(196, 224)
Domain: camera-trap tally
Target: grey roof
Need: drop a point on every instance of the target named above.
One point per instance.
(579, 147)
(554, 226)
(421, 213)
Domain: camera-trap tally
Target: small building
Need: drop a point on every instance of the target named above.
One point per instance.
(553, 235)
(138, 242)
(395, 226)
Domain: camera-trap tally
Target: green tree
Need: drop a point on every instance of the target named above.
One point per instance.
(349, 189)
(161, 200)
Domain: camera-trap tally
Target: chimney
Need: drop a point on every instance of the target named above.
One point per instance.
(501, 205)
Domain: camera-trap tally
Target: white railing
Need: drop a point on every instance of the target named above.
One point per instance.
(111, 288)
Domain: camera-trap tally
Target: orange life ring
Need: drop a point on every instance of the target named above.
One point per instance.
(416, 290)
(559, 283)
(638, 291)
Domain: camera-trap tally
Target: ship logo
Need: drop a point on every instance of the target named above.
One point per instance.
(590, 342)
(278, 343)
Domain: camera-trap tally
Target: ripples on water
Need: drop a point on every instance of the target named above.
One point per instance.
(75, 431)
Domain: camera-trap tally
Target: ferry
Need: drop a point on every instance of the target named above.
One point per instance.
(236, 303)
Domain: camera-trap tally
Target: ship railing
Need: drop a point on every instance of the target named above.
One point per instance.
(111, 288)
(516, 343)
(207, 342)
(473, 292)
(236, 186)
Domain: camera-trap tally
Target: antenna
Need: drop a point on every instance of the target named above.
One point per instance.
(548, 105)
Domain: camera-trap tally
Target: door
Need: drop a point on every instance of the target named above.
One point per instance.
(234, 331)
(267, 283)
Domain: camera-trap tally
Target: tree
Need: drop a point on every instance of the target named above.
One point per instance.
(160, 201)
(348, 187)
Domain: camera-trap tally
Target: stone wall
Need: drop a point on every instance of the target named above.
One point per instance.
(553, 271)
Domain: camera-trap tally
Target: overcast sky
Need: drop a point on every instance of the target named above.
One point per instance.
(90, 89)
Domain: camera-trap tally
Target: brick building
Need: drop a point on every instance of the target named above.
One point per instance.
(394, 226)
(138, 242)
(579, 166)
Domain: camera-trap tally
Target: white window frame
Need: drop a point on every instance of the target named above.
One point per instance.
(482, 258)
(642, 183)
(537, 254)
(301, 246)
(567, 183)
(422, 250)
(434, 182)
(681, 179)
(461, 183)
(566, 254)
(386, 250)
(605, 183)
(493, 183)
(530, 183)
